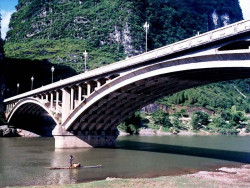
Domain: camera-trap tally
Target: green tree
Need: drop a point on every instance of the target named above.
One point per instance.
(199, 119)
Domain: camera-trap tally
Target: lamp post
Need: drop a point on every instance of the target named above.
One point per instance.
(17, 88)
(146, 28)
(32, 79)
(52, 71)
(85, 59)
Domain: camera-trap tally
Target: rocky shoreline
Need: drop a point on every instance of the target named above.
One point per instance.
(6, 131)
(152, 132)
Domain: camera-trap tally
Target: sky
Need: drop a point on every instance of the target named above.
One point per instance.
(7, 7)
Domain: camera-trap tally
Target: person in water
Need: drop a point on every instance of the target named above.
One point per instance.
(71, 158)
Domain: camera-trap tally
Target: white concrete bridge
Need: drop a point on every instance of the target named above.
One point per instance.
(84, 110)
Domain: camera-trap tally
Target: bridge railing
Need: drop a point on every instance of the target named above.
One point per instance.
(198, 40)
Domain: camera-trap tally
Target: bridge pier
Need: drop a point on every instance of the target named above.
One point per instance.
(67, 140)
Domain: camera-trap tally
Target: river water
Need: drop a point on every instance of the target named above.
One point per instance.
(23, 161)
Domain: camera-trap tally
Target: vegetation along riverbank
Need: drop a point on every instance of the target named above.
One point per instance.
(182, 120)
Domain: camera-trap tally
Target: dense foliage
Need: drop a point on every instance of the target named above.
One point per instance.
(219, 96)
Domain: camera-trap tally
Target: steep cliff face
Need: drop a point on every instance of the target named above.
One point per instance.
(61, 30)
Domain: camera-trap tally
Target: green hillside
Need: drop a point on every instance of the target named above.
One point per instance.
(60, 31)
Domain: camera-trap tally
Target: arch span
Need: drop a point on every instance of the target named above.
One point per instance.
(31, 115)
(106, 108)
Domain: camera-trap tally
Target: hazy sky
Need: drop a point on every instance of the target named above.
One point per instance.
(7, 7)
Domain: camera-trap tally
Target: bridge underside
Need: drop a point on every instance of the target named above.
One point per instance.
(96, 126)
(33, 118)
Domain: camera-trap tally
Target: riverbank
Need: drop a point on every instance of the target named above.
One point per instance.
(222, 177)
(152, 132)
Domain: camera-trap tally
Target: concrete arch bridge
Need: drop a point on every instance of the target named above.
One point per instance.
(84, 110)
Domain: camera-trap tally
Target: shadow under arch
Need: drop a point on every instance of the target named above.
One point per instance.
(29, 114)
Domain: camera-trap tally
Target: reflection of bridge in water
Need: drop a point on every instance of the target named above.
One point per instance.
(84, 110)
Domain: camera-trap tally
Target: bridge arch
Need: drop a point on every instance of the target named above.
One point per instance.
(31, 115)
(106, 108)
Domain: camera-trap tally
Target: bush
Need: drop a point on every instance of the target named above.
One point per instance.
(177, 123)
(228, 131)
(198, 119)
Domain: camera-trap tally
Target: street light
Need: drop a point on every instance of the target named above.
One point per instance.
(146, 28)
(52, 71)
(32, 79)
(17, 88)
(85, 59)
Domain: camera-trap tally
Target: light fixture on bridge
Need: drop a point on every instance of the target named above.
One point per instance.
(146, 28)
(85, 59)
(52, 71)
(17, 88)
(32, 79)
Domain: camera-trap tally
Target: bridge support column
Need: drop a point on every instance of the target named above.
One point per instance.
(51, 100)
(88, 89)
(65, 139)
(7, 108)
(65, 104)
(57, 102)
(72, 96)
(79, 94)
(98, 84)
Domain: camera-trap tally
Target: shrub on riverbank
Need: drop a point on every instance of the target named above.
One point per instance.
(199, 119)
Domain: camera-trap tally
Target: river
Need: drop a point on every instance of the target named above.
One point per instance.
(23, 161)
